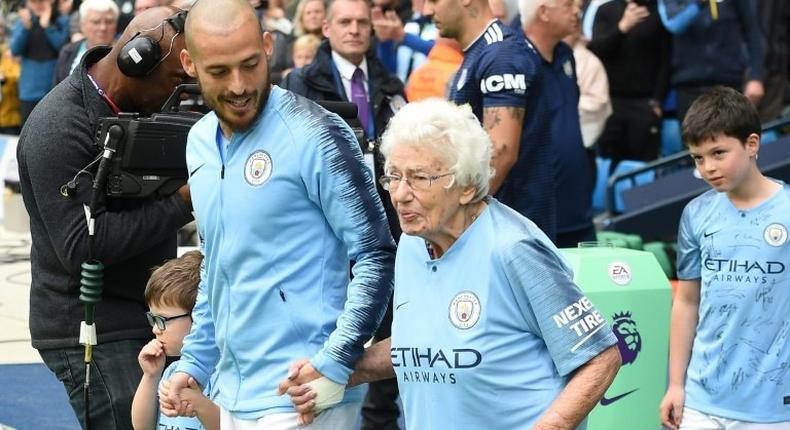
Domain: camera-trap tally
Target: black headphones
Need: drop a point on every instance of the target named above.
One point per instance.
(142, 54)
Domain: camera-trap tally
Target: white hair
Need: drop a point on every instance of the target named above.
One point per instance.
(529, 9)
(99, 6)
(452, 132)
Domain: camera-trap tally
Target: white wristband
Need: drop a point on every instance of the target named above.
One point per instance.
(328, 393)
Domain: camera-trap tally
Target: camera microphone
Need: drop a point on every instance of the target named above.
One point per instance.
(68, 189)
(114, 135)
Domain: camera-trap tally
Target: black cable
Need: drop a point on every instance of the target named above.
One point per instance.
(92, 273)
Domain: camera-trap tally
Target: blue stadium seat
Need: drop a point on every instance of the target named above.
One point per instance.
(641, 179)
(599, 191)
(770, 136)
(671, 140)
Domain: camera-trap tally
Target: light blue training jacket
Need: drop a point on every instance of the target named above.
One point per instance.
(281, 212)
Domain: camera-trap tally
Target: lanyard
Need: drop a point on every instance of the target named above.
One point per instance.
(104, 96)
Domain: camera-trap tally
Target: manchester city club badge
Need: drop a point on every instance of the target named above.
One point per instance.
(775, 234)
(258, 168)
(465, 310)
(461, 80)
(567, 67)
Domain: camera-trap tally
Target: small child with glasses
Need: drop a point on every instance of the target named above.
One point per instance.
(170, 294)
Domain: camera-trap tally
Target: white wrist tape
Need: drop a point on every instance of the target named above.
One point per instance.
(328, 393)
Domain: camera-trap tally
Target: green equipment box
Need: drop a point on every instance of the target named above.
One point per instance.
(632, 292)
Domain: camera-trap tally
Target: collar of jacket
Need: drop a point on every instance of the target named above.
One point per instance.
(94, 104)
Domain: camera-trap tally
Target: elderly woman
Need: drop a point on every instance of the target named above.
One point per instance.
(484, 332)
(98, 23)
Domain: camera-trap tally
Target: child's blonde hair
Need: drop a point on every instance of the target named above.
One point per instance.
(307, 41)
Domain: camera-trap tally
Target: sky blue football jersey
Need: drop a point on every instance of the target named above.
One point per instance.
(739, 362)
(486, 336)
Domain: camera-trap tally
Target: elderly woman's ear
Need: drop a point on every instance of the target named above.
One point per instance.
(468, 194)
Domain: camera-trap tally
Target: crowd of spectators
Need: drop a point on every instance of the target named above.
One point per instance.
(658, 55)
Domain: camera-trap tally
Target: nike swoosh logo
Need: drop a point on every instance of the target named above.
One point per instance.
(196, 169)
(710, 234)
(399, 306)
(607, 402)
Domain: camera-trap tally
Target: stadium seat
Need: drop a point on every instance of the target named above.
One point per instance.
(671, 141)
(617, 239)
(769, 137)
(599, 192)
(626, 166)
(634, 241)
(659, 250)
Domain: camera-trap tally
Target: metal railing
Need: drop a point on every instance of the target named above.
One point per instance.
(666, 165)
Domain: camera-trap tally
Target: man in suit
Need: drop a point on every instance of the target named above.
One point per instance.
(331, 75)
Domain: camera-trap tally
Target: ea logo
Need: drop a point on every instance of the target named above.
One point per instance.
(775, 234)
(629, 341)
(258, 168)
(620, 273)
(465, 310)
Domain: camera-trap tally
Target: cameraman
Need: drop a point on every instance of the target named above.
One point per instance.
(56, 153)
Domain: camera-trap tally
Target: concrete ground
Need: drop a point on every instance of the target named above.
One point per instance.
(15, 280)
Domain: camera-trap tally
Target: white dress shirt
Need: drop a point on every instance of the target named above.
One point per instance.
(346, 70)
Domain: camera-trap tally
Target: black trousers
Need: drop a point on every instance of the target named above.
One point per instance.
(380, 409)
(571, 239)
(115, 375)
(633, 132)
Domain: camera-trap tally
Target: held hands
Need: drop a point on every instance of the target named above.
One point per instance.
(310, 391)
(302, 396)
(671, 409)
(193, 395)
(152, 358)
(171, 403)
(632, 16)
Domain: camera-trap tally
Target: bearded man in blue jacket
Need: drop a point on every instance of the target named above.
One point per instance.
(284, 202)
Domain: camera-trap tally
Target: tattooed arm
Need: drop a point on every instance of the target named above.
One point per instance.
(503, 125)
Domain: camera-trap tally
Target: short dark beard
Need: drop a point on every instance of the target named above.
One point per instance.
(258, 108)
